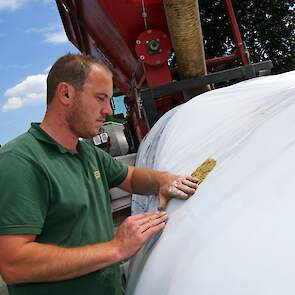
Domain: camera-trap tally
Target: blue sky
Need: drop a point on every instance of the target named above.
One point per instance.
(31, 39)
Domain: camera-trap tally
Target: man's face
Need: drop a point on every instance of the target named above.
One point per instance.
(92, 104)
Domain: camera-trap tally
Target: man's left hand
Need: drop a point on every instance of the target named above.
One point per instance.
(175, 186)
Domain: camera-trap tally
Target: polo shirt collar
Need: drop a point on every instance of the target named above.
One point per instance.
(41, 135)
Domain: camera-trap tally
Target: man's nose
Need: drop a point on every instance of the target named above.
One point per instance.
(108, 110)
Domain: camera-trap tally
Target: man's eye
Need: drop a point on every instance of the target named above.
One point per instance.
(101, 98)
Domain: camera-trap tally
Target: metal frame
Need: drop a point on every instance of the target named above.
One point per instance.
(149, 95)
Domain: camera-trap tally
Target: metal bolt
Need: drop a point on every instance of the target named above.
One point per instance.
(142, 57)
(149, 31)
(138, 42)
(158, 62)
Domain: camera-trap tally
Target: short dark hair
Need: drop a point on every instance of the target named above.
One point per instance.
(72, 69)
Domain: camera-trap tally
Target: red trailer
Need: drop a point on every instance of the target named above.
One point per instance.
(133, 38)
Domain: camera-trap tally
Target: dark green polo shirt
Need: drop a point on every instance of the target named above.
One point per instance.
(63, 198)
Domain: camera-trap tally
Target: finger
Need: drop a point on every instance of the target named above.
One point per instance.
(178, 194)
(174, 192)
(153, 230)
(182, 196)
(192, 179)
(141, 216)
(190, 184)
(151, 217)
(184, 188)
(154, 222)
(163, 203)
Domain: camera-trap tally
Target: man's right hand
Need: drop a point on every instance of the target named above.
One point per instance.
(137, 229)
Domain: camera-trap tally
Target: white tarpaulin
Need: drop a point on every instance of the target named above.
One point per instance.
(236, 234)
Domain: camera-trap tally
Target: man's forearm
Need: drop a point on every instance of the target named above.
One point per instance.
(146, 181)
(37, 262)
(22, 260)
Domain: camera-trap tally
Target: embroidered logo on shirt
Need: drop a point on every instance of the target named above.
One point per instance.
(96, 174)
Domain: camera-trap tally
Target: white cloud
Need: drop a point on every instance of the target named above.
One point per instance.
(30, 91)
(51, 34)
(47, 69)
(11, 4)
(16, 4)
(56, 37)
(47, 1)
(49, 28)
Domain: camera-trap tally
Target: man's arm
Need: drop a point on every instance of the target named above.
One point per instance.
(22, 259)
(147, 181)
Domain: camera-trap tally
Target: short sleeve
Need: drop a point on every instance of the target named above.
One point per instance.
(24, 195)
(115, 170)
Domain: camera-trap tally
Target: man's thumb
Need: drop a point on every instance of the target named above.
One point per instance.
(163, 202)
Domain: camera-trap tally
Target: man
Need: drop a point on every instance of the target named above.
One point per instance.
(56, 231)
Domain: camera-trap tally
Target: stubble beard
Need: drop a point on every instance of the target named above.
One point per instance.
(74, 122)
(79, 126)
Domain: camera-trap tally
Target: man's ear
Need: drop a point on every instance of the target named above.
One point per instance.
(65, 93)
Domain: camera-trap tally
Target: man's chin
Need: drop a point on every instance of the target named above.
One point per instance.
(89, 134)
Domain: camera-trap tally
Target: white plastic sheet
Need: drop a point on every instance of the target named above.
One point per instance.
(236, 234)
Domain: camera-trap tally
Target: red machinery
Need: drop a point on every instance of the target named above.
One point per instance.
(133, 38)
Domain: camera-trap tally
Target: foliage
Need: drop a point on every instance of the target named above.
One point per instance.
(267, 28)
